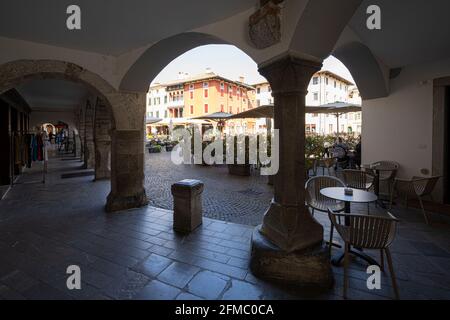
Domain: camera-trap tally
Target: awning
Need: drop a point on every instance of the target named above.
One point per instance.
(266, 111)
(214, 116)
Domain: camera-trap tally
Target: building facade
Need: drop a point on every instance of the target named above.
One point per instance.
(324, 87)
(178, 102)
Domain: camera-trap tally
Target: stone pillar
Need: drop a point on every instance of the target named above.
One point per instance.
(89, 147)
(127, 171)
(288, 246)
(102, 140)
(81, 131)
(187, 205)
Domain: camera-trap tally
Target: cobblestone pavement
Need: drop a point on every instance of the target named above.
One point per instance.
(135, 254)
(225, 197)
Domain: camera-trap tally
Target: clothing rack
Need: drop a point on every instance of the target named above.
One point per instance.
(45, 159)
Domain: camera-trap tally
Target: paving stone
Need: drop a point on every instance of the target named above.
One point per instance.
(187, 296)
(178, 274)
(156, 290)
(154, 265)
(208, 284)
(241, 290)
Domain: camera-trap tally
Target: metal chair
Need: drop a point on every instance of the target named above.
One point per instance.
(327, 163)
(310, 164)
(358, 179)
(388, 173)
(365, 232)
(416, 187)
(315, 200)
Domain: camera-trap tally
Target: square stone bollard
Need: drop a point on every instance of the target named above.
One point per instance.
(187, 205)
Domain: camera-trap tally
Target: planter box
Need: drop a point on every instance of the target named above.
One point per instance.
(239, 169)
(169, 147)
(154, 150)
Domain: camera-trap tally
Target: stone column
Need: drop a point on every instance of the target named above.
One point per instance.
(81, 131)
(89, 147)
(127, 171)
(102, 140)
(288, 245)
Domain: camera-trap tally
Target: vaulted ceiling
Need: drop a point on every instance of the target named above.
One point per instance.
(110, 27)
(53, 95)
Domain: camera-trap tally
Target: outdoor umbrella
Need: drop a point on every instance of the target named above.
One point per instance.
(150, 120)
(216, 116)
(337, 108)
(265, 111)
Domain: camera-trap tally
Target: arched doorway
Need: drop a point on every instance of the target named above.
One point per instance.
(91, 129)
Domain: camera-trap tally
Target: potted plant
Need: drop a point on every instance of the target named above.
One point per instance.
(154, 147)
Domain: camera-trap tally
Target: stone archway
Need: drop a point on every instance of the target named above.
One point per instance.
(127, 114)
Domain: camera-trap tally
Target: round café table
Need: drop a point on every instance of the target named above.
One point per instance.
(359, 196)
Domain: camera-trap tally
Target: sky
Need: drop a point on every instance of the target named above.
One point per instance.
(229, 62)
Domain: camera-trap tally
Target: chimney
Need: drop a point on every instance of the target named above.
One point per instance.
(241, 79)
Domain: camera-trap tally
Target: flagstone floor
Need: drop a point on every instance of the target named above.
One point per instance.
(134, 254)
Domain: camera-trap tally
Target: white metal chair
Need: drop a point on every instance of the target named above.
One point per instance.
(365, 232)
(358, 179)
(315, 200)
(416, 187)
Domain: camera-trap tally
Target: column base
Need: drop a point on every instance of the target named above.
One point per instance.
(309, 268)
(118, 202)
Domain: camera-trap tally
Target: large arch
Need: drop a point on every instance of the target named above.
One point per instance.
(364, 68)
(324, 19)
(127, 113)
(17, 72)
(159, 55)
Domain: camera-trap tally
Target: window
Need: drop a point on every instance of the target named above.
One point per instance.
(335, 83)
(149, 101)
(206, 108)
(269, 101)
(191, 94)
(326, 80)
(151, 114)
(340, 86)
(330, 127)
(258, 90)
(315, 80)
(258, 102)
(191, 87)
(165, 113)
(221, 108)
(269, 89)
(230, 109)
(205, 84)
(192, 109)
(315, 96)
(222, 86)
(165, 99)
(157, 114)
(221, 92)
(206, 93)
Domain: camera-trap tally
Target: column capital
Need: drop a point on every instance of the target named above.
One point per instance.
(289, 73)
